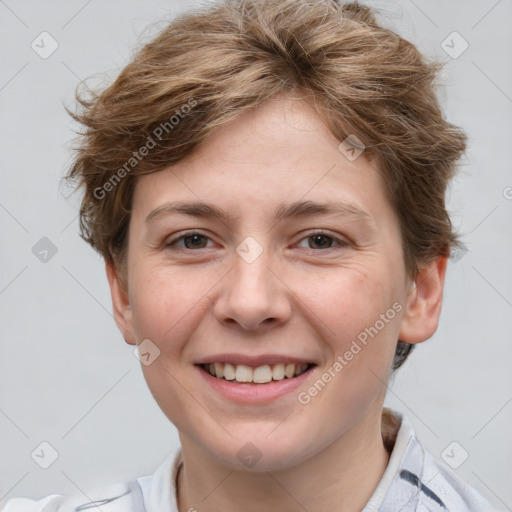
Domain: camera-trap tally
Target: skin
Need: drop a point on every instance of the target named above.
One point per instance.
(302, 296)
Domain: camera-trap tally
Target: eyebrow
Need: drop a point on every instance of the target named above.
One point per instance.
(283, 211)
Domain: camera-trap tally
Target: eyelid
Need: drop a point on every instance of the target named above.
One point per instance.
(178, 238)
(340, 240)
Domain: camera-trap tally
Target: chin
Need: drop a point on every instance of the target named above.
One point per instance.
(260, 453)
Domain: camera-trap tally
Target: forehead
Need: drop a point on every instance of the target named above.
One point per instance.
(280, 152)
(282, 130)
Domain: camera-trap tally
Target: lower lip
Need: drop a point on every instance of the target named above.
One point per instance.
(254, 393)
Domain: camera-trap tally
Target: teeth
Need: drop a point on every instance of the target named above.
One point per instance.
(300, 368)
(219, 370)
(290, 370)
(229, 372)
(260, 375)
(243, 373)
(278, 371)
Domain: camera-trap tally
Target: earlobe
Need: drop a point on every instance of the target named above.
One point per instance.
(121, 304)
(424, 303)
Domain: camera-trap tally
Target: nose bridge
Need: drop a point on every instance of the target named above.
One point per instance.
(250, 268)
(251, 294)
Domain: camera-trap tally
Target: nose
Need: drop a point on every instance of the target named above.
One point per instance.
(252, 296)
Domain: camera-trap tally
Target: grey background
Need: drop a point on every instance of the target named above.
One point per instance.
(67, 376)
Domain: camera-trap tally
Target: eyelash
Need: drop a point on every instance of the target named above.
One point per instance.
(340, 242)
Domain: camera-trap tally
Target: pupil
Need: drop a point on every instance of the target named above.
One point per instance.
(196, 240)
(319, 238)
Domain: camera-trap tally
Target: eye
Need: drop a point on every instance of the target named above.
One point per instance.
(321, 240)
(191, 241)
(197, 240)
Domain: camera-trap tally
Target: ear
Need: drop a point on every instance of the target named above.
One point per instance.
(120, 304)
(424, 302)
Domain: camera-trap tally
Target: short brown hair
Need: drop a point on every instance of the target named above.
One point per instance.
(215, 62)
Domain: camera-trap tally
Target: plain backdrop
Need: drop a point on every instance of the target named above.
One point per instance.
(67, 377)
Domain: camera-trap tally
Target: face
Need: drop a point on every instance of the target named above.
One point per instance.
(303, 269)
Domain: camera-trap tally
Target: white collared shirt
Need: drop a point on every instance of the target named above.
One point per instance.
(413, 482)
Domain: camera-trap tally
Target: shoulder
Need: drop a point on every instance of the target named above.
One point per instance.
(415, 480)
(121, 497)
(144, 494)
(452, 490)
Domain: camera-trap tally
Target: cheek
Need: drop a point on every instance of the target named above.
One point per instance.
(360, 312)
(348, 300)
(166, 303)
(363, 317)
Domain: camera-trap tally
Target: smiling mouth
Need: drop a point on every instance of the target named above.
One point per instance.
(264, 374)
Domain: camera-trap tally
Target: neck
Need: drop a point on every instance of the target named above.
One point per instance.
(341, 477)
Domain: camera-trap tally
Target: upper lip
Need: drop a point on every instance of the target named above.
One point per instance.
(253, 360)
